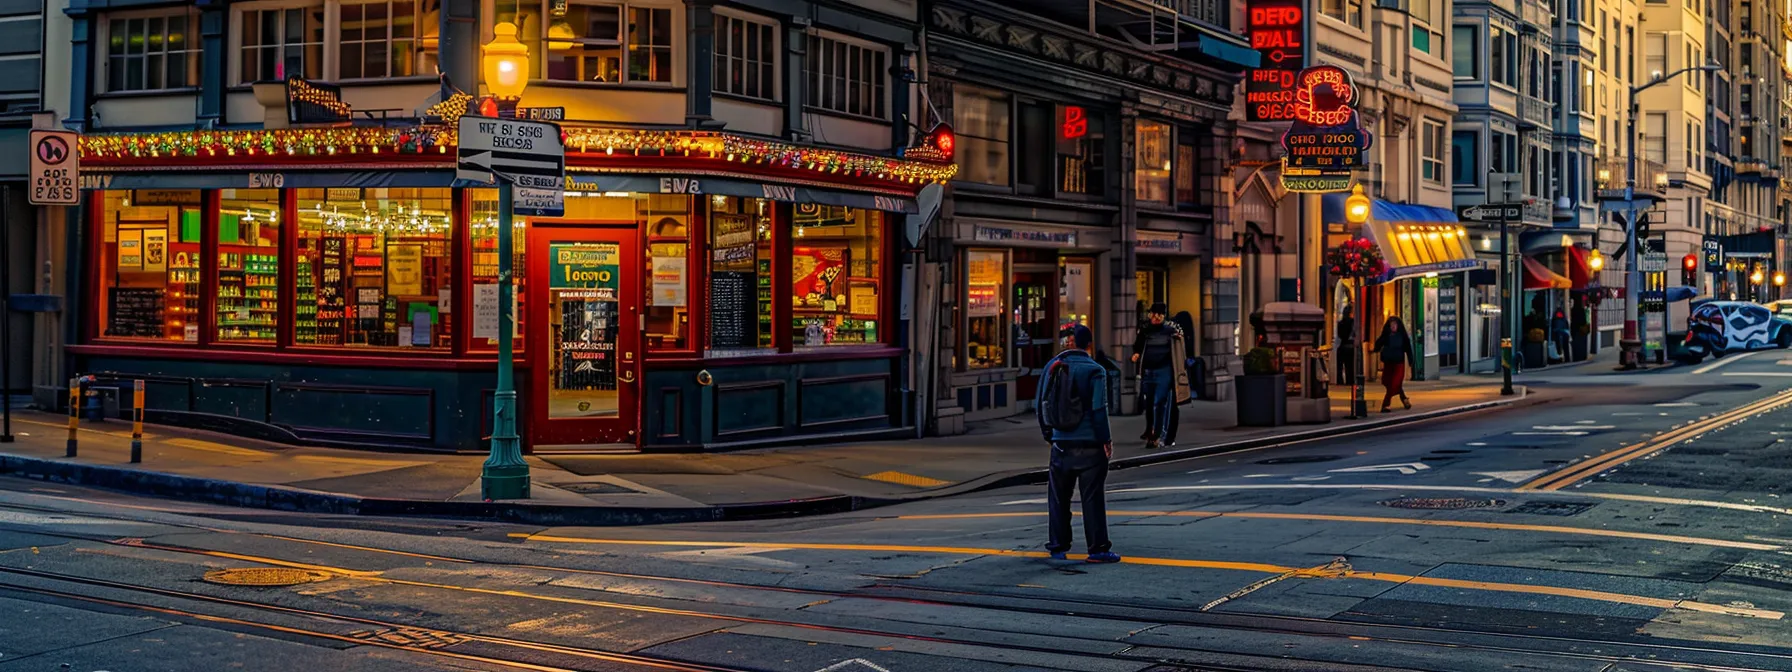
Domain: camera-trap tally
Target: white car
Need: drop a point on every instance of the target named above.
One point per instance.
(1719, 328)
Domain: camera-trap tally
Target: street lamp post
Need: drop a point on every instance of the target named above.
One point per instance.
(1356, 211)
(1632, 355)
(505, 474)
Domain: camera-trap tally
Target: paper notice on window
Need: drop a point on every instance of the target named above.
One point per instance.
(443, 301)
(668, 281)
(485, 312)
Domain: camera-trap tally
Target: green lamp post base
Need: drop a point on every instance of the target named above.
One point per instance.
(504, 482)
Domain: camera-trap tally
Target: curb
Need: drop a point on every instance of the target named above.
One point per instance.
(283, 498)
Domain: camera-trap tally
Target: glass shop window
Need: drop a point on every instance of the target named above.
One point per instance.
(149, 265)
(666, 219)
(484, 225)
(740, 275)
(836, 271)
(986, 291)
(373, 268)
(248, 266)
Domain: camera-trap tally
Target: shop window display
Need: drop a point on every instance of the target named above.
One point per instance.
(484, 225)
(248, 266)
(665, 219)
(836, 260)
(986, 290)
(149, 265)
(740, 275)
(376, 265)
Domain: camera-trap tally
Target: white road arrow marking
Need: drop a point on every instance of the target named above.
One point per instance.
(854, 664)
(1512, 476)
(1407, 469)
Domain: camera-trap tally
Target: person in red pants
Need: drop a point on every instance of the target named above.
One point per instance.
(1395, 347)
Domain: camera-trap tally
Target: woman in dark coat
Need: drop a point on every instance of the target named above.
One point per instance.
(1395, 347)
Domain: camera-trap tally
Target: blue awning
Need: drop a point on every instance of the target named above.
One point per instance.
(1229, 52)
(1416, 239)
(1676, 294)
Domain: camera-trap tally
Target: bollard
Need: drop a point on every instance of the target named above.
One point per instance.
(74, 412)
(137, 422)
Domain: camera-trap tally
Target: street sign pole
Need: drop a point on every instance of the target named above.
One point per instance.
(511, 152)
(505, 475)
(1508, 306)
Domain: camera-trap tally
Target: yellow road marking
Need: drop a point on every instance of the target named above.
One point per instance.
(1511, 527)
(139, 543)
(214, 447)
(900, 478)
(1574, 473)
(1596, 595)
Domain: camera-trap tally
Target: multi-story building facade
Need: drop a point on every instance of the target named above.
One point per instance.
(1092, 144)
(1744, 141)
(28, 91)
(1398, 55)
(1510, 141)
(728, 271)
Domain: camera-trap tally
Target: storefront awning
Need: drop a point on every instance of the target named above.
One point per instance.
(1419, 240)
(291, 179)
(1580, 270)
(718, 186)
(1676, 294)
(1537, 276)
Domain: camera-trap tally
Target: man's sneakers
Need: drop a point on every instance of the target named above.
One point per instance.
(1104, 557)
(1059, 555)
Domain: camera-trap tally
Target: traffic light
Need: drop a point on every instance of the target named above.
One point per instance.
(1689, 270)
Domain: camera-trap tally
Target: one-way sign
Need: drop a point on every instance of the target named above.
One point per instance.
(528, 154)
(1491, 212)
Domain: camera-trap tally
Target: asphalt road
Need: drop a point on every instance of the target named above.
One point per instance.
(1608, 523)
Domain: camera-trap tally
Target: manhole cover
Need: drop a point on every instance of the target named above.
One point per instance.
(1300, 459)
(263, 576)
(1441, 503)
(1546, 507)
(596, 489)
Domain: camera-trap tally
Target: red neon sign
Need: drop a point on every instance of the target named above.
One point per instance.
(1277, 30)
(1075, 123)
(1331, 108)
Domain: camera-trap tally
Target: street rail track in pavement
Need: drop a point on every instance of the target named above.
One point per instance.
(1593, 466)
(428, 640)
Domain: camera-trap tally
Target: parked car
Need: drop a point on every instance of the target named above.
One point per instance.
(1718, 328)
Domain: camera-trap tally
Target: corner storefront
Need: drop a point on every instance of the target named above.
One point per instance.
(335, 286)
(1427, 285)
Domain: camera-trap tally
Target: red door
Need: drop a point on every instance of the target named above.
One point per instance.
(584, 335)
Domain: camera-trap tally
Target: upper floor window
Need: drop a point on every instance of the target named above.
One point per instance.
(281, 41)
(598, 43)
(152, 51)
(1432, 147)
(1504, 57)
(1465, 52)
(848, 77)
(1465, 158)
(746, 57)
(379, 39)
(1152, 150)
(1348, 11)
(981, 118)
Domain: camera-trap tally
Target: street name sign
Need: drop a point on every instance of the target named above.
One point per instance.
(528, 154)
(1491, 212)
(55, 167)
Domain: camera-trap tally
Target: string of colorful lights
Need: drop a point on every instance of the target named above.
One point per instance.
(104, 149)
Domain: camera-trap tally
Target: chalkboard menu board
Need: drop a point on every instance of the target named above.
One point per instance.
(731, 318)
(135, 313)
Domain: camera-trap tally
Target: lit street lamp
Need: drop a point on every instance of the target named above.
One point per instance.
(1633, 276)
(505, 474)
(1356, 211)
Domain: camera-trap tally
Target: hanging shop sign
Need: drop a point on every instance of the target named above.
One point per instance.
(1714, 255)
(1326, 140)
(1278, 31)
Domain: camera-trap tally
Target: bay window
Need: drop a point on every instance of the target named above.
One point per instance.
(152, 51)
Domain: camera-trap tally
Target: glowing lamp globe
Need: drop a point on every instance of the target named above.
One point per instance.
(1356, 208)
(1596, 261)
(506, 63)
(1779, 278)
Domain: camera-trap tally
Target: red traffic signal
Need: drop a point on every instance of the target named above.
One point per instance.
(943, 140)
(1689, 263)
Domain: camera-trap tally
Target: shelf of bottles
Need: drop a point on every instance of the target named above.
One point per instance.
(183, 292)
(248, 296)
(765, 303)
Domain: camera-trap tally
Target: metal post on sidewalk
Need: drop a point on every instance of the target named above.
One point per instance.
(5, 319)
(74, 412)
(1508, 310)
(137, 422)
(505, 474)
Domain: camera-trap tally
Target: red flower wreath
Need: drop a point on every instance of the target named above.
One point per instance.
(1356, 258)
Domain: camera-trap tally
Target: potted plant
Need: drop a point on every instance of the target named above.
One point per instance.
(1536, 353)
(1262, 391)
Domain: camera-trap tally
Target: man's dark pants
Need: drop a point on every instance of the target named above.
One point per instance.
(1080, 466)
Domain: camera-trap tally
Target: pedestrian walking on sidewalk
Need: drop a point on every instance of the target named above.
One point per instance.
(1073, 417)
(1163, 379)
(1395, 347)
(1344, 345)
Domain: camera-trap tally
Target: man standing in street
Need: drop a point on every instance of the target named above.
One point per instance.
(1158, 351)
(1073, 416)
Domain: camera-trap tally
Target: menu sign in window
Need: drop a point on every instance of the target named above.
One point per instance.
(134, 313)
(730, 314)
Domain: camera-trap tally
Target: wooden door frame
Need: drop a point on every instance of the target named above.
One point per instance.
(627, 234)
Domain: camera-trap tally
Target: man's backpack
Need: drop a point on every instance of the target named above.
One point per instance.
(1063, 404)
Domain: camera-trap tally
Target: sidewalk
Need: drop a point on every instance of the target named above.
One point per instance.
(651, 488)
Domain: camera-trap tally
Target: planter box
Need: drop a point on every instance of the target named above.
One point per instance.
(1262, 400)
